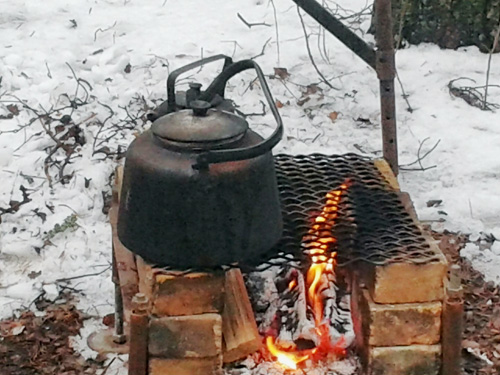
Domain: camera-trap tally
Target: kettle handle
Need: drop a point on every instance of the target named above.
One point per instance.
(218, 87)
(172, 77)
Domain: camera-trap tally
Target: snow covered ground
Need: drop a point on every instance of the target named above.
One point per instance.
(121, 53)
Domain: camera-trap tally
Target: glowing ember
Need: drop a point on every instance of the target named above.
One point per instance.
(323, 265)
(287, 358)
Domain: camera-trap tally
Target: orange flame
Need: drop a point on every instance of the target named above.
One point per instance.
(286, 358)
(323, 263)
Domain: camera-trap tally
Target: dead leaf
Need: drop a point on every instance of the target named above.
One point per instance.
(470, 344)
(34, 274)
(495, 319)
(312, 89)
(109, 320)
(333, 116)
(434, 202)
(282, 73)
(279, 104)
(59, 128)
(17, 330)
(301, 102)
(13, 109)
(364, 120)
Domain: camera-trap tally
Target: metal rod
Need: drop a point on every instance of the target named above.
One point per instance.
(139, 333)
(339, 30)
(386, 71)
(453, 310)
(119, 336)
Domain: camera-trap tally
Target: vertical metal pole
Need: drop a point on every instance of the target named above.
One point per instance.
(119, 336)
(452, 321)
(386, 71)
(139, 335)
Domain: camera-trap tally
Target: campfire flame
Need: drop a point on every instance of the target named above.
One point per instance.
(323, 265)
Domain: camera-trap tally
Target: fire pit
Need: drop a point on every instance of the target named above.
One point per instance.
(353, 276)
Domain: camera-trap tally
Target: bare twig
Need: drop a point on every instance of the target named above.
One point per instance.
(404, 95)
(263, 49)
(420, 158)
(471, 94)
(263, 113)
(235, 45)
(310, 54)
(65, 279)
(493, 49)
(110, 362)
(277, 30)
(249, 24)
(103, 30)
(48, 70)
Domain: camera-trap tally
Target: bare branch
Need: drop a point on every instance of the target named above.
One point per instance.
(420, 158)
(277, 30)
(310, 54)
(250, 25)
(493, 49)
(263, 49)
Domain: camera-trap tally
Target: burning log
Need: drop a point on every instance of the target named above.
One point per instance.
(239, 328)
(320, 244)
(295, 322)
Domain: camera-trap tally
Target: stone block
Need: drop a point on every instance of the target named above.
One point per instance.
(404, 360)
(189, 294)
(407, 282)
(175, 293)
(386, 171)
(192, 336)
(399, 324)
(187, 366)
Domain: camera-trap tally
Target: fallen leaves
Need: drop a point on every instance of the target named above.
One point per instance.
(482, 310)
(41, 345)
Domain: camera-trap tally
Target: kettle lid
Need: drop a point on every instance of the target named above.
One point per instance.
(200, 124)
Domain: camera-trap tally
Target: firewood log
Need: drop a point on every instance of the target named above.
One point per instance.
(239, 328)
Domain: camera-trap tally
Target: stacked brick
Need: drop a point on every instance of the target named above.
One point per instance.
(397, 313)
(185, 322)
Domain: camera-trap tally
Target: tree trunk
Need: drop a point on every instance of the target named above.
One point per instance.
(447, 23)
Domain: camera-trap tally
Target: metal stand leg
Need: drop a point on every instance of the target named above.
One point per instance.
(119, 336)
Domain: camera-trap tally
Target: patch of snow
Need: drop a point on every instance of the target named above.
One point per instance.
(97, 39)
(486, 261)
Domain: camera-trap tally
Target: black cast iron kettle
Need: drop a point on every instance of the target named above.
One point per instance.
(199, 187)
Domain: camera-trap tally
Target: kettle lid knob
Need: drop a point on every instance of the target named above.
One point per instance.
(200, 107)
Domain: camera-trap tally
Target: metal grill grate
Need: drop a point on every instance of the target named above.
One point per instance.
(372, 224)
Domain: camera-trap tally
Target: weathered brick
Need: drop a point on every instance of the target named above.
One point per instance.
(399, 324)
(407, 282)
(386, 171)
(187, 366)
(192, 336)
(189, 294)
(405, 360)
(174, 293)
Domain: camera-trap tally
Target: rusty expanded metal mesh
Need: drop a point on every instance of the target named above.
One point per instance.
(372, 224)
